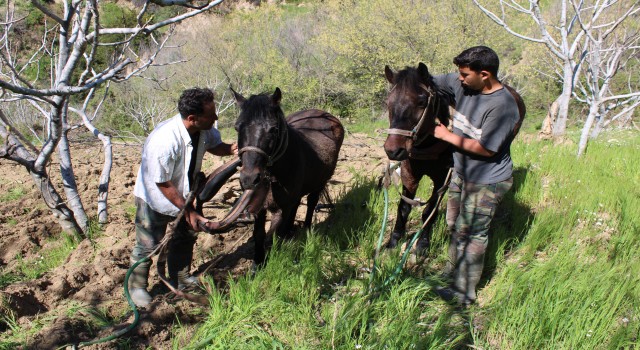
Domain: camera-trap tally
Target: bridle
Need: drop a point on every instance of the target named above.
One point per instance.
(283, 142)
(414, 133)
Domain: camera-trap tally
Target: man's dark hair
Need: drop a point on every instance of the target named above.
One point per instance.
(192, 101)
(479, 58)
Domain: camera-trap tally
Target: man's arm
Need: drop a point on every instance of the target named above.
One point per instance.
(225, 149)
(469, 145)
(170, 191)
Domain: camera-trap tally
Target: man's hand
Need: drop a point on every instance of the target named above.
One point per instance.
(224, 149)
(234, 149)
(441, 132)
(190, 215)
(466, 144)
(193, 218)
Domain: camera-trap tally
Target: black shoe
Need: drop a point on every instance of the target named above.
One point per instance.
(453, 296)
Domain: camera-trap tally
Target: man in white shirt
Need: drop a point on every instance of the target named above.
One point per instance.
(171, 158)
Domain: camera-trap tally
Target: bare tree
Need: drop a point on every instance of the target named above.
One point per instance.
(611, 47)
(558, 29)
(71, 38)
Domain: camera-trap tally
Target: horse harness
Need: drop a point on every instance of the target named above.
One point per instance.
(283, 136)
(414, 133)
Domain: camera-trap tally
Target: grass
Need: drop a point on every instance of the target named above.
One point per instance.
(561, 271)
(13, 194)
(14, 335)
(130, 210)
(50, 257)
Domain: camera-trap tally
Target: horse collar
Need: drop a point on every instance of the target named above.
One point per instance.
(413, 133)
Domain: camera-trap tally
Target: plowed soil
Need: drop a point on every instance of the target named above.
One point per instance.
(63, 305)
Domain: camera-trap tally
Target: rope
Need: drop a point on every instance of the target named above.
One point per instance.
(171, 229)
(386, 181)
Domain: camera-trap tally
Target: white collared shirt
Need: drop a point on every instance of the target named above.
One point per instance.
(165, 157)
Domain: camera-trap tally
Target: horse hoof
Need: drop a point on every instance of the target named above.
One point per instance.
(393, 240)
(392, 243)
(256, 267)
(422, 249)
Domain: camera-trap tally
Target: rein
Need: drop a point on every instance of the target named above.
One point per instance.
(279, 151)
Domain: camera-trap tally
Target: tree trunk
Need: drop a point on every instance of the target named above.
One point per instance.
(560, 126)
(15, 151)
(69, 182)
(53, 200)
(547, 125)
(584, 136)
(103, 187)
(598, 128)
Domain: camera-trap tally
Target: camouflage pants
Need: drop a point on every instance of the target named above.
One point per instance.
(470, 209)
(471, 206)
(150, 230)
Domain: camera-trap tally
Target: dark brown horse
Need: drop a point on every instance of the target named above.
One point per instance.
(283, 160)
(415, 105)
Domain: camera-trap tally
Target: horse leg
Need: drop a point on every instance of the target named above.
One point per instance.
(258, 238)
(409, 188)
(287, 218)
(422, 246)
(430, 213)
(312, 201)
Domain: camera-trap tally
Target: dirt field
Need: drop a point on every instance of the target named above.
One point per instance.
(89, 285)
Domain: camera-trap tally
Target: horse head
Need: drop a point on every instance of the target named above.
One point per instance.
(414, 107)
(262, 136)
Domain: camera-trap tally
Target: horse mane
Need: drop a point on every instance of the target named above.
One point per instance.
(409, 79)
(254, 107)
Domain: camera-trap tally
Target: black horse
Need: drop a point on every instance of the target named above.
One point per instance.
(283, 160)
(415, 105)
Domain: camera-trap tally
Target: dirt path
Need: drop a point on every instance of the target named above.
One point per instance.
(63, 305)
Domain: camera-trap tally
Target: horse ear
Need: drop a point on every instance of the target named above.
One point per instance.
(276, 97)
(423, 71)
(240, 100)
(389, 74)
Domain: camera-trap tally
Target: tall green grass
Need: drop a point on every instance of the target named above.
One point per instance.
(561, 272)
(572, 281)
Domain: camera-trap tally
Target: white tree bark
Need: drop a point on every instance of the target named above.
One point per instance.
(610, 46)
(105, 175)
(14, 150)
(560, 35)
(69, 182)
(74, 71)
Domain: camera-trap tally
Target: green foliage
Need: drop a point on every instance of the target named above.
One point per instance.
(131, 212)
(311, 294)
(113, 16)
(15, 335)
(575, 256)
(94, 230)
(331, 55)
(34, 17)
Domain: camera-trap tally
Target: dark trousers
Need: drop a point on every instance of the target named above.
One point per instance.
(151, 227)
